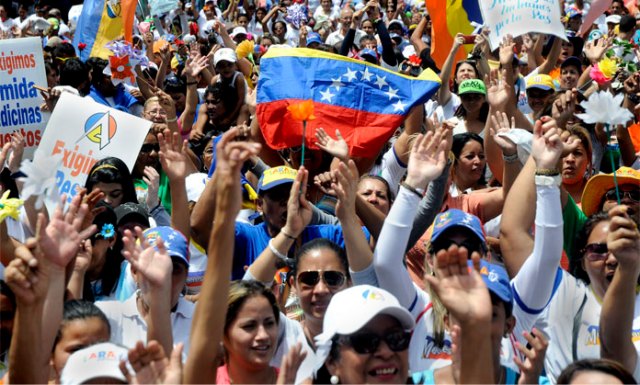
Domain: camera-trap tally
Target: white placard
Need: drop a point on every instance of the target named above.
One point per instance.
(160, 7)
(22, 67)
(517, 17)
(81, 132)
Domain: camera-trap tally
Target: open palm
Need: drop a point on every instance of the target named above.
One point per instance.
(173, 155)
(427, 158)
(153, 264)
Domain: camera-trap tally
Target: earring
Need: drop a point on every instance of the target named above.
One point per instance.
(334, 379)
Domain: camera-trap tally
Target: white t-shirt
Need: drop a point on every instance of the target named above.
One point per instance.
(289, 334)
(128, 327)
(336, 37)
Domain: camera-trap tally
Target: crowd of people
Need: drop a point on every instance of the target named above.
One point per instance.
(217, 259)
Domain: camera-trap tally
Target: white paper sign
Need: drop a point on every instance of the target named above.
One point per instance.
(22, 67)
(517, 17)
(160, 7)
(81, 132)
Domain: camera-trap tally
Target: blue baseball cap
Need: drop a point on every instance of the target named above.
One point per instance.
(176, 243)
(275, 177)
(496, 279)
(313, 37)
(457, 218)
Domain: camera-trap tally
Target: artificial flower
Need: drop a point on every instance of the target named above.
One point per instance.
(302, 111)
(597, 75)
(107, 231)
(608, 67)
(603, 107)
(415, 60)
(9, 207)
(40, 180)
(82, 46)
(121, 70)
(296, 15)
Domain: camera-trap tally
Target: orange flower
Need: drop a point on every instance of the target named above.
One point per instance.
(121, 68)
(302, 111)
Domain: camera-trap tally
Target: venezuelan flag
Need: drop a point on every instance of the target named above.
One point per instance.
(364, 101)
(449, 17)
(102, 21)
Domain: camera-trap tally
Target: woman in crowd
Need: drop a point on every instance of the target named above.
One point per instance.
(469, 166)
(577, 165)
(111, 176)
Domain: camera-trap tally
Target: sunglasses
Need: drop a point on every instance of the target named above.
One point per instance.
(149, 147)
(595, 252)
(633, 195)
(468, 244)
(367, 343)
(332, 279)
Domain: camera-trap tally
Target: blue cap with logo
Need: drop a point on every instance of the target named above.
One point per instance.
(496, 279)
(457, 218)
(175, 243)
(313, 37)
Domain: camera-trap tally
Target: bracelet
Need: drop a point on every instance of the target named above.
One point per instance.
(288, 235)
(547, 171)
(173, 120)
(510, 158)
(275, 251)
(413, 189)
(192, 83)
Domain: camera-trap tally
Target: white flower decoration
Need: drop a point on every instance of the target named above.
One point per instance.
(40, 178)
(602, 107)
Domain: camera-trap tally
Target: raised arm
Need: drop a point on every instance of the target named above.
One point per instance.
(209, 317)
(552, 58)
(616, 319)
(193, 67)
(416, 36)
(444, 93)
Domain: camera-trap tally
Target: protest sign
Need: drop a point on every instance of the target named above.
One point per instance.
(517, 17)
(21, 68)
(81, 132)
(160, 7)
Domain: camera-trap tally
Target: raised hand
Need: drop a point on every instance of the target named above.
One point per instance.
(165, 102)
(173, 155)
(506, 51)
(17, 151)
(26, 275)
(195, 65)
(547, 146)
(152, 178)
(427, 159)
(623, 239)
(527, 43)
(152, 366)
(91, 200)
(458, 40)
(498, 89)
(83, 257)
(60, 238)
(324, 182)
(594, 50)
(531, 368)
(298, 208)
(152, 263)
(290, 365)
(500, 127)
(564, 107)
(335, 147)
(346, 188)
(461, 289)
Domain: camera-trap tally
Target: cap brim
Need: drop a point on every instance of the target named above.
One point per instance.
(597, 186)
(540, 87)
(463, 225)
(274, 184)
(399, 313)
(129, 216)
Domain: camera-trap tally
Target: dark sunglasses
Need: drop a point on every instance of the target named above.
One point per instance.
(333, 279)
(468, 244)
(596, 252)
(367, 343)
(149, 147)
(633, 195)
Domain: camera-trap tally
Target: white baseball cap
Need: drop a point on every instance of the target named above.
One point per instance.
(238, 31)
(224, 54)
(362, 303)
(94, 362)
(195, 184)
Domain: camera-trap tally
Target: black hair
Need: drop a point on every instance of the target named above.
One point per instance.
(6, 290)
(112, 170)
(284, 25)
(380, 179)
(459, 141)
(79, 310)
(455, 72)
(320, 243)
(64, 49)
(575, 263)
(484, 111)
(601, 365)
(217, 90)
(73, 73)
(97, 66)
(173, 84)
(427, 60)
(627, 23)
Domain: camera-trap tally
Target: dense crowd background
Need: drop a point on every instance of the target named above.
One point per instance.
(494, 239)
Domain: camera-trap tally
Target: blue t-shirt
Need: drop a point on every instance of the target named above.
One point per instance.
(252, 240)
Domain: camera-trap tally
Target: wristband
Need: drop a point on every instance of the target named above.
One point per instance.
(510, 158)
(172, 120)
(287, 235)
(275, 251)
(413, 189)
(547, 171)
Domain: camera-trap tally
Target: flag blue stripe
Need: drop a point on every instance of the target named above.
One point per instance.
(473, 10)
(293, 77)
(87, 28)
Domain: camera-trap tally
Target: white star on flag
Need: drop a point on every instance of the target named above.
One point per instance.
(381, 82)
(327, 95)
(336, 83)
(366, 75)
(350, 75)
(399, 106)
(392, 93)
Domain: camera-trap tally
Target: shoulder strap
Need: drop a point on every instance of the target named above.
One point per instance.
(577, 319)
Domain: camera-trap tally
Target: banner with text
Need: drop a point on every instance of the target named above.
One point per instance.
(517, 17)
(21, 68)
(81, 132)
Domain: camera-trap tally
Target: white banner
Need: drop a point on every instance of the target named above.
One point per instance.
(21, 68)
(517, 17)
(81, 132)
(160, 7)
